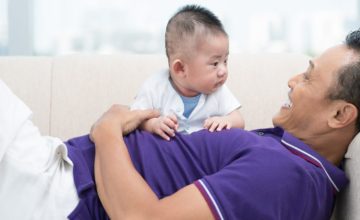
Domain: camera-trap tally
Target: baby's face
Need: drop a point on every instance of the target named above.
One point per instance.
(207, 70)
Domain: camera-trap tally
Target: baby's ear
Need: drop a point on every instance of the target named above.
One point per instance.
(178, 67)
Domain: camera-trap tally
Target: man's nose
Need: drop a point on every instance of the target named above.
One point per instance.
(293, 80)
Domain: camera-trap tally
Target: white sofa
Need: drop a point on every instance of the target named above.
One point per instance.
(68, 93)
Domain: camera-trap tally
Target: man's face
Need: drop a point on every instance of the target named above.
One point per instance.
(308, 109)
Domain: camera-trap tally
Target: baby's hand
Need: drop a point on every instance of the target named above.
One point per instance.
(164, 126)
(217, 123)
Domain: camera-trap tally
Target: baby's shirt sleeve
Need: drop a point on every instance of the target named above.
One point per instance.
(144, 98)
(227, 102)
(151, 93)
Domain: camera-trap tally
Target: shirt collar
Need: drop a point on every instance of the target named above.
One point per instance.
(335, 175)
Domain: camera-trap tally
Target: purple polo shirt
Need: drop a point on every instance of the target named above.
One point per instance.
(262, 174)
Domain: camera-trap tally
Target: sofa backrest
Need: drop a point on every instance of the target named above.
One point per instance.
(30, 79)
(68, 93)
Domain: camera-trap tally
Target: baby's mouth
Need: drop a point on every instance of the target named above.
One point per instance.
(219, 84)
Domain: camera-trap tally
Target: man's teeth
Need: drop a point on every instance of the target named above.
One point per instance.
(287, 103)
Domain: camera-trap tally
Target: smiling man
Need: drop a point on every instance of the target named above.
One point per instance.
(287, 172)
(324, 101)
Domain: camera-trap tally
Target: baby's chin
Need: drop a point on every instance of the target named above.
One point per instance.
(210, 92)
(215, 88)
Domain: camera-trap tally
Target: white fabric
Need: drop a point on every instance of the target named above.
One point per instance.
(13, 114)
(158, 93)
(347, 207)
(36, 178)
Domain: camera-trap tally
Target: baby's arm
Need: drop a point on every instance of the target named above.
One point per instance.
(232, 120)
(164, 126)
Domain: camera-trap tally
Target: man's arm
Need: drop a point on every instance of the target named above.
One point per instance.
(123, 192)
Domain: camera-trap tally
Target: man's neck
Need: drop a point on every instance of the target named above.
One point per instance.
(333, 145)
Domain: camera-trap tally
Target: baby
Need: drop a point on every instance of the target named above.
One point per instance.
(191, 94)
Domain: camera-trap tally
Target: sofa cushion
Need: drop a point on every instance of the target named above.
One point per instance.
(348, 202)
(84, 86)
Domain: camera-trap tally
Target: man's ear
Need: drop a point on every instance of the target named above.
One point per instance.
(344, 114)
(178, 67)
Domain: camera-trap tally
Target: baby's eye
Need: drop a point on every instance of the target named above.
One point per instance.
(225, 61)
(215, 63)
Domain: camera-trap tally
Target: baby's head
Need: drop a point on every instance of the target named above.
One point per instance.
(197, 48)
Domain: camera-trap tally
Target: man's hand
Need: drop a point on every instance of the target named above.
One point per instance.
(119, 120)
(122, 190)
(217, 123)
(164, 126)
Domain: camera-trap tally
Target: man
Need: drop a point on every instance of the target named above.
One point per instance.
(320, 120)
(289, 172)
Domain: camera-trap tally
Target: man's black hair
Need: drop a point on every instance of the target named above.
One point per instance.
(348, 82)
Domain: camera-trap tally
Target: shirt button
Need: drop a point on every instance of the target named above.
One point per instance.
(260, 133)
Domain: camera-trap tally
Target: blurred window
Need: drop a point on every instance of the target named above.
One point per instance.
(3, 27)
(137, 26)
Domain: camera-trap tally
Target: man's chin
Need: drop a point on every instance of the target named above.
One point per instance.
(274, 123)
(276, 119)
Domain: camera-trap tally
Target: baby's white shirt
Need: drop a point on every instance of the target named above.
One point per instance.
(157, 92)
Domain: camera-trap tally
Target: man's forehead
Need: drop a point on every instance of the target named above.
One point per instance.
(339, 55)
(333, 59)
